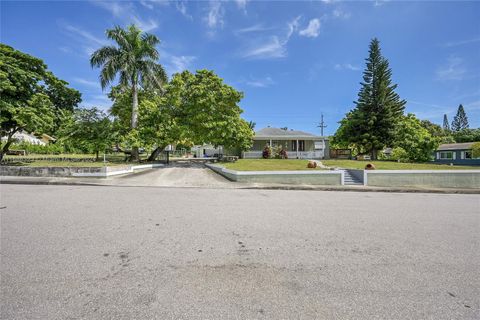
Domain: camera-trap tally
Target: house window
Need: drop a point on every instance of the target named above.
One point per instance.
(446, 155)
(301, 145)
(467, 155)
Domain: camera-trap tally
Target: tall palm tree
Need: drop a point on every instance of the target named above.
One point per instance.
(134, 59)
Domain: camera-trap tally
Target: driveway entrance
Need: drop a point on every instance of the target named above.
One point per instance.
(176, 174)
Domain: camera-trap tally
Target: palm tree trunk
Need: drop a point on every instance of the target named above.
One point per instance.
(134, 156)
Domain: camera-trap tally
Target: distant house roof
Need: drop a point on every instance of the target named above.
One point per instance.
(455, 146)
(277, 133)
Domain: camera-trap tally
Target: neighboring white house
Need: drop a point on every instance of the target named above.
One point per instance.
(22, 136)
(298, 144)
(206, 150)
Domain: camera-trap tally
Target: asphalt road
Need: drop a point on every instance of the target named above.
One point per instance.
(83, 252)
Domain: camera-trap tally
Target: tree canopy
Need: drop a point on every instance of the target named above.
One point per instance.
(412, 136)
(193, 109)
(460, 121)
(371, 125)
(90, 130)
(32, 97)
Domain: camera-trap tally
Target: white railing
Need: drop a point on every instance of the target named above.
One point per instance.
(252, 154)
(291, 154)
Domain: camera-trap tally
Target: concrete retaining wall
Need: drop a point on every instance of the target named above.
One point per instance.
(284, 177)
(468, 179)
(72, 171)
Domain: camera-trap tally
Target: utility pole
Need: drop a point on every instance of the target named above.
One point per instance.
(322, 125)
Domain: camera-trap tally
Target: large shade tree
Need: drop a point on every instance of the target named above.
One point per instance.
(32, 98)
(370, 126)
(196, 108)
(134, 60)
(90, 130)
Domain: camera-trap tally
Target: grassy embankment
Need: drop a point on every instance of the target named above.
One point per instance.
(295, 164)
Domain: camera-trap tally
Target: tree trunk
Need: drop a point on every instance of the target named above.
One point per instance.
(135, 155)
(374, 154)
(96, 156)
(5, 148)
(155, 153)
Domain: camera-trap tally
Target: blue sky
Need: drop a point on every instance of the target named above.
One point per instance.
(292, 60)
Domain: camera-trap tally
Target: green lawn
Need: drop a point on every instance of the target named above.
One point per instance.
(390, 165)
(267, 165)
(46, 163)
(65, 160)
(295, 164)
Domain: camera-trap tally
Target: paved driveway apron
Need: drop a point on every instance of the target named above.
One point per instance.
(178, 174)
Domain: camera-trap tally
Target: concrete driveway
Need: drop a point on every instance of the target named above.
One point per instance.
(176, 174)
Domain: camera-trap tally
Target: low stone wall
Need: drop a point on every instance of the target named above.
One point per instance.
(23, 171)
(468, 179)
(284, 177)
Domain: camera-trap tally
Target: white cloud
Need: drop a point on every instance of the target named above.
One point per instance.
(86, 36)
(126, 12)
(175, 64)
(345, 66)
(242, 5)
(292, 27)
(461, 42)
(179, 63)
(312, 30)
(145, 25)
(340, 14)
(272, 48)
(87, 41)
(215, 15)
(93, 84)
(254, 28)
(261, 82)
(378, 3)
(454, 69)
(182, 8)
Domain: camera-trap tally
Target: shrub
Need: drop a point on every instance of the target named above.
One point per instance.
(399, 154)
(267, 152)
(476, 150)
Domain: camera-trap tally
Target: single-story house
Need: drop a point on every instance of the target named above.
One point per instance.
(456, 153)
(22, 136)
(298, 144)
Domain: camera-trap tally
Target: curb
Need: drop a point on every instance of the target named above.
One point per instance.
(44, 181)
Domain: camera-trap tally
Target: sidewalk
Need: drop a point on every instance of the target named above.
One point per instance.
(117, 181)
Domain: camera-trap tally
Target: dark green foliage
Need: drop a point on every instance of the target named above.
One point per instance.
(32, 98)
(460, 121)
(90, 130)
(417, 141)
(446, 125)
(443, 136)
(467, 135)
(371, 125)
